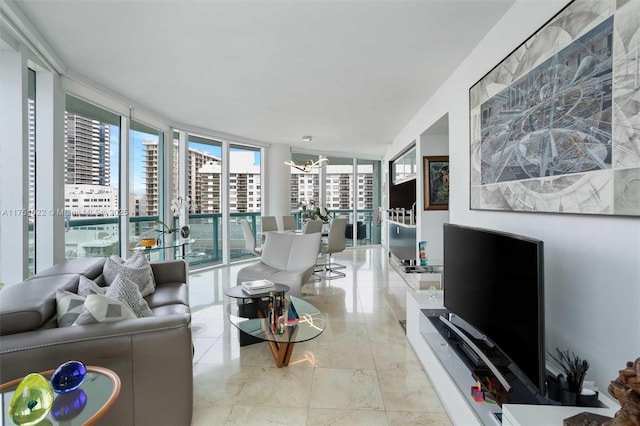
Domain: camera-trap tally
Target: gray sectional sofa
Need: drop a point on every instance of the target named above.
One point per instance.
(151, 355)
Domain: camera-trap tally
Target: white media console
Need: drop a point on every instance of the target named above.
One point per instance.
(452, 379)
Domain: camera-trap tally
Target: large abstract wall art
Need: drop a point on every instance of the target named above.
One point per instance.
(555, 127)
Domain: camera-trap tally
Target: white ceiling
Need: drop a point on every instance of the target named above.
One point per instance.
(349, 73)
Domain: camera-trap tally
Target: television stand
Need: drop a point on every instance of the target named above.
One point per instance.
(452, 378)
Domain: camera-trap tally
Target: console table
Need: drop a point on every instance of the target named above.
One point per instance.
(177, 244)
(452, 379)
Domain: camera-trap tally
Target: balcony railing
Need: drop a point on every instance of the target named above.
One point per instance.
(90, 237)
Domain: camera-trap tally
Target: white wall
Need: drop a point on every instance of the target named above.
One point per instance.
(430, 221)
(592, 263)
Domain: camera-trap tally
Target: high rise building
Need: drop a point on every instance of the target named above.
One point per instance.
(203, 187)
(87, 151)
(305, 187)
(151, 205)
(244, 184)
(245, 194)
(203, 180)
(339, 187)
(31, 104)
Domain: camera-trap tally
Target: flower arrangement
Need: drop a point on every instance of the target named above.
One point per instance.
(166, 229)
(311, 212)
(177, 204)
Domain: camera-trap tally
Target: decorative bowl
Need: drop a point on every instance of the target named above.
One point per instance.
(148, 242)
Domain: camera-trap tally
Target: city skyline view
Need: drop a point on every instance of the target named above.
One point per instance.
(144, 173)
(92, 208)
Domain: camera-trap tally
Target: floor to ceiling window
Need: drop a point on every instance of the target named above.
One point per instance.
(204, 189)
(340, 191)
(175, 166)
(31, 125)
(145, 184)
(204, 170)
(351, 188)
(92, 209)
(368, 213)
(245, 196)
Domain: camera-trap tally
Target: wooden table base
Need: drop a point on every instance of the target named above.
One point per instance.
(281, 352)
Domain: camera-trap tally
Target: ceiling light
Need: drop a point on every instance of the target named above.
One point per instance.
(309, 165)
(306, 138)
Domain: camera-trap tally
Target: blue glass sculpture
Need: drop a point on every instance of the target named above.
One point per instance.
(68, 377)
(68, 405)
(31, 400)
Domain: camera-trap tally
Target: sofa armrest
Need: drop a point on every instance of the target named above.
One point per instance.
(152, 356)
(165, 271)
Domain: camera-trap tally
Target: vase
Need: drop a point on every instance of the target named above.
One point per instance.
(587, 398)
(559, 394)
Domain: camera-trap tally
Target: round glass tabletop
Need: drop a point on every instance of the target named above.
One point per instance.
(311, 324)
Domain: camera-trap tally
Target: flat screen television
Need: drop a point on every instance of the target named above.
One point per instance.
(494, 281)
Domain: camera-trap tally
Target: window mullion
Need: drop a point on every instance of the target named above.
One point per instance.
(125, 124)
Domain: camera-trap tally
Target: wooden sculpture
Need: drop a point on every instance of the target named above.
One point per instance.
(626, 389)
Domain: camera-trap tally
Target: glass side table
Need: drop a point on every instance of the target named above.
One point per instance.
(83, 406)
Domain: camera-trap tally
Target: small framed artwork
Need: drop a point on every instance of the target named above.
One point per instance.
(436, 182)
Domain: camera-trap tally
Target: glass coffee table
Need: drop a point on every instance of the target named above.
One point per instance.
(310, 325)
(251, 306)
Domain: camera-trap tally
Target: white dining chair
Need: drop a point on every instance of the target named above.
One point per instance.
(313, 226)
(268, 224)
(289, 223)
(249, 238)
(335, 243)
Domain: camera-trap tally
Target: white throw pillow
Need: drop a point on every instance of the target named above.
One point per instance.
(136, 269)
(99, 308)
(87, 287)
(127, 291)
(69, 307)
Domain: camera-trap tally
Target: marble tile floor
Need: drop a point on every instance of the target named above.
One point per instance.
(360, 371)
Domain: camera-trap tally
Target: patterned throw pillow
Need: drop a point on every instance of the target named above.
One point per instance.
(99, 308)
(137, 260)
(127, 291)
(136, 269)
(69, 306)
(87, 287)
